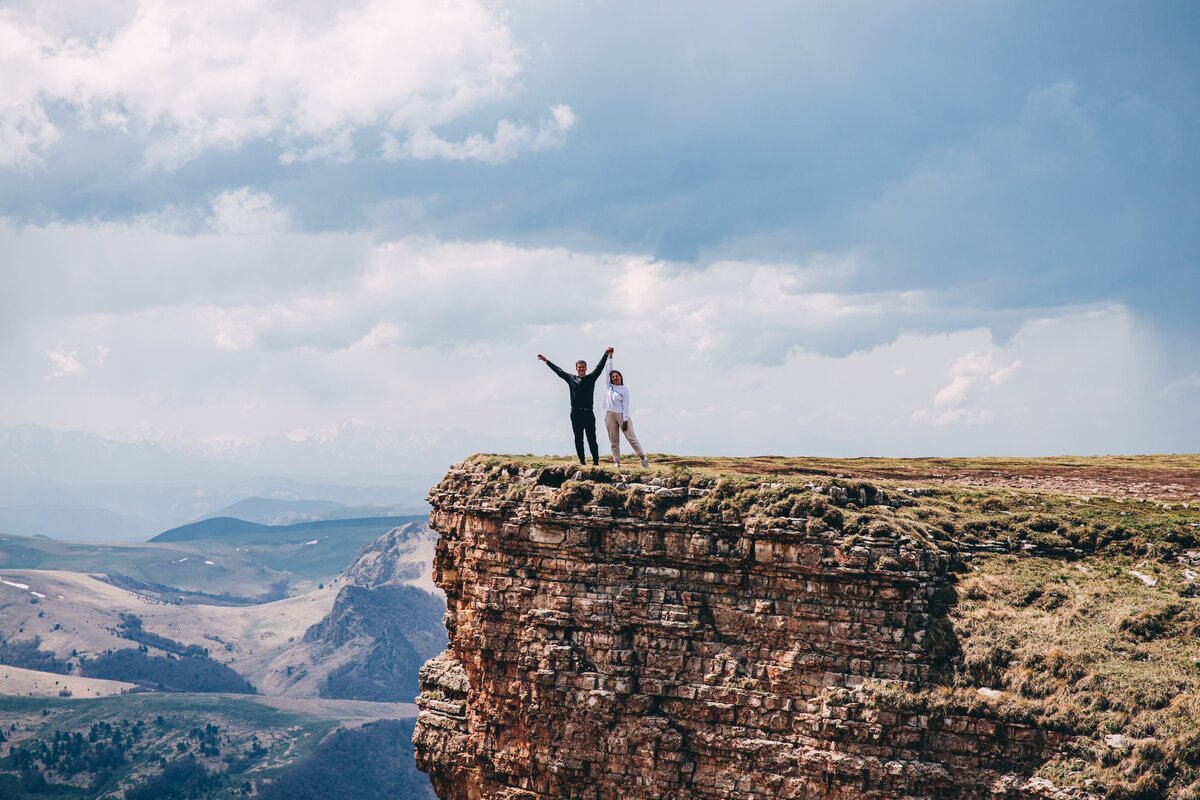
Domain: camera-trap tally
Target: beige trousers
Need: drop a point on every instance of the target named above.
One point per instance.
(612, 423)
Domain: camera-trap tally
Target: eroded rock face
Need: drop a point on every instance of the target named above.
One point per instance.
(383, 624)
(599, 654)
(399, 557)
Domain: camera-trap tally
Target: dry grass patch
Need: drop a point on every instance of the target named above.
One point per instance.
(1115, 659)
(956, 518)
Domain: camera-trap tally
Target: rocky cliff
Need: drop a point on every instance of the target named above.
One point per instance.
(694, 634)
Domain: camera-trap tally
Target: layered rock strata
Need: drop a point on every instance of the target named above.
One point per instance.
(598, 653)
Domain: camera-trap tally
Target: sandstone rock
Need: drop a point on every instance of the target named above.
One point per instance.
(605, 656)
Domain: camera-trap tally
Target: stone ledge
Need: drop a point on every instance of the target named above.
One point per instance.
(599, 653)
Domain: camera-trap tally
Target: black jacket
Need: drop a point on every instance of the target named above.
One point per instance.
(583, 390)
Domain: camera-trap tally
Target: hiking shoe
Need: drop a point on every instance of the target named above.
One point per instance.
(645, 463)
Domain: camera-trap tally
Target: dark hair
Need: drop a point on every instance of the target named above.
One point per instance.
(580, 361)
(617, 373)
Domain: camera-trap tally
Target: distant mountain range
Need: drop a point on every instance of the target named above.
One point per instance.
(246, 588)
(344, 609)
(272, 511)
(221, 556)
(226, 527)
(133, 512)
(31, 452)
(279, 511)
(351, 452)
(85, 522)
(78, 486)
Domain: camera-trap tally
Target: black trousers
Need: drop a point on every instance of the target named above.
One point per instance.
(583, 420)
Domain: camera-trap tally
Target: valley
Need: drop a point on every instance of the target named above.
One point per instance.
(283, 639)
(144, 746)
(214, 560)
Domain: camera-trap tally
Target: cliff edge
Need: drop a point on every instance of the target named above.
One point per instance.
(710, 630)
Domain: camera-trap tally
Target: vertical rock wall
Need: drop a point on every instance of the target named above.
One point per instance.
(600, 655)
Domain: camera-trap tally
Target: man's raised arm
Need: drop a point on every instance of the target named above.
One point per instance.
(600, 366)
(554, 367)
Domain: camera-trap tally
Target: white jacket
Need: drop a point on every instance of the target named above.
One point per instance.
(617, 397)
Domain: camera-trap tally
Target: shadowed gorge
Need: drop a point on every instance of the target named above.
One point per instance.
(736, 629)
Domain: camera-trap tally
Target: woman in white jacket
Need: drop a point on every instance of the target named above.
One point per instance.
(616, 414)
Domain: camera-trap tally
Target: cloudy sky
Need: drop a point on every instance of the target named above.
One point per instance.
(893, 228)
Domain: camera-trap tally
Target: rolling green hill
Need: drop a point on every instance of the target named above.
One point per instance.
(180, 566)
(312, 552)
(222, 556)
(230, 527)
(213, 528)
(273, 511)
(162, 616)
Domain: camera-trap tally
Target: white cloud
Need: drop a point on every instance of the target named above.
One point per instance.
(452, 294)
(209, 332)
(972, 371)
(970, 377)
(232, 335)
(187, 78)
(25, 131)
(243, 211)
(509, 141)
(63, 362)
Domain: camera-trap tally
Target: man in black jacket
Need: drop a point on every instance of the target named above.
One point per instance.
(582, 386)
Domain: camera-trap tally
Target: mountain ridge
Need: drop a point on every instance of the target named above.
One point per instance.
(223, 527)
(389, 612)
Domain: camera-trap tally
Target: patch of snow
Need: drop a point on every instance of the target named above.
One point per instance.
(209, 563)
(37, 594)
(14, 583)
(314, 541)
(1149, 580)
